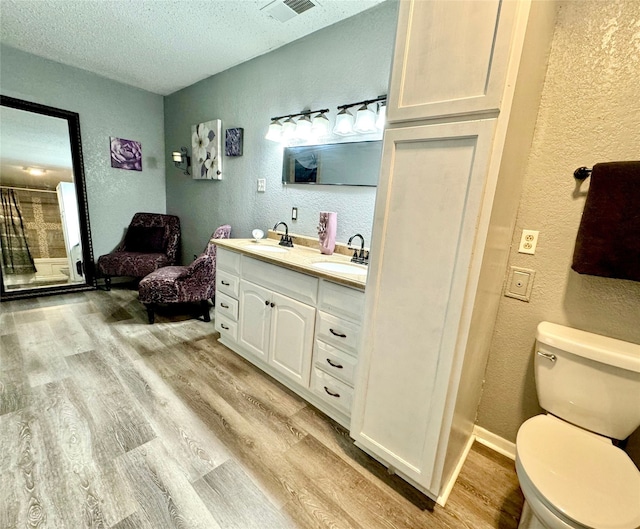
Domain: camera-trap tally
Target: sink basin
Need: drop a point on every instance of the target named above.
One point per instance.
(341, 268)
(267, 249)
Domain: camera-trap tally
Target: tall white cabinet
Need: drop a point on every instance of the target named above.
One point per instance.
(465, 89)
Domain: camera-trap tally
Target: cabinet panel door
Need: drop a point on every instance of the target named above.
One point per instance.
(450, 58)
(291, 349)
(429, 198)
(255, 318)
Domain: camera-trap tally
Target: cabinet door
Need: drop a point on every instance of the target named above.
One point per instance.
(450, 57)
(428, 202)
(255, 318)
(291, 348)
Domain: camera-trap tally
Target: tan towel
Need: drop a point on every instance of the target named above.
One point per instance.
(608, 241)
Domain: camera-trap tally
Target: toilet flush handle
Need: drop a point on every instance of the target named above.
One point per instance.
(548, 356)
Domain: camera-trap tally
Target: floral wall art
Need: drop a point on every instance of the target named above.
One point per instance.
(126, 154)
(206, 159)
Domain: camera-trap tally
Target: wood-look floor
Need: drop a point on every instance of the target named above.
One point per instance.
(109, 422)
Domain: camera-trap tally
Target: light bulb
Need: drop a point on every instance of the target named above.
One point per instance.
(320, 126)
(344, 123)
(275, 131)
(303, 127)
(288, 129)
(365, 120)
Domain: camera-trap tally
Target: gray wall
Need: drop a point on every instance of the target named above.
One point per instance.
(349, 61)
(588, 114)
(106, 108)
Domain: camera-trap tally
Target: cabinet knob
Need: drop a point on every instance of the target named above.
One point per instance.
(224, 306)
(338, 334)
(224, 326)
(273, 304)
(337, 395)
(225, 283)
(266, 303)
(333, 364)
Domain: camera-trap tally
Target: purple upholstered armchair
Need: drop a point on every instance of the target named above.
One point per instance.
(151, 242)
(195, 283)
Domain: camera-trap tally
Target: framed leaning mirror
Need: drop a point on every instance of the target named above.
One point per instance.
(45, 237)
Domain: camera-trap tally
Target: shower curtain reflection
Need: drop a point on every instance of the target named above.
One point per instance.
(16, 256)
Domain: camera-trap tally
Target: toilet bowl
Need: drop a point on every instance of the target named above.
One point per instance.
(574, 479)
(571, 474)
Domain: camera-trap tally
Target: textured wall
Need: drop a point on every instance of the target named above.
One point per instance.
(346, 62)
(106, 108)
(588, 114)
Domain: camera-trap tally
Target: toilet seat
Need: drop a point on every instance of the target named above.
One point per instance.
(579, 475)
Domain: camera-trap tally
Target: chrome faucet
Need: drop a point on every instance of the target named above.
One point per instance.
(285, 240)
(361, 257)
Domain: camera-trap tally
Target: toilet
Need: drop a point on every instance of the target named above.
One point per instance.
(571, 474)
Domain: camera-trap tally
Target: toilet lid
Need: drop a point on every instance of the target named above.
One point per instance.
(581, 474)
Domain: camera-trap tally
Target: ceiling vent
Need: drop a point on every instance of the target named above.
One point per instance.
(284, 10)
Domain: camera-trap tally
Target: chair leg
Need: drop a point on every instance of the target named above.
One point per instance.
(205, 310)
(107, 282)
(150, 313)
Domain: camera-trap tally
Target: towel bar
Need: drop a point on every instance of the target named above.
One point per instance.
(582, 173)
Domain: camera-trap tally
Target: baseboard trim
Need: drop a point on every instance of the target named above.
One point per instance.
(495, 442)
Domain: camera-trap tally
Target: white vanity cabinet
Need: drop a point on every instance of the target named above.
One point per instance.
(277, 329)
(302, 330)
(463, 100)
(337, 343)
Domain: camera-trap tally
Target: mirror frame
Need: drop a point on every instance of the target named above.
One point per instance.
(73, 122)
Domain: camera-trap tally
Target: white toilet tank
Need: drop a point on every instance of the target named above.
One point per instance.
(588, 380)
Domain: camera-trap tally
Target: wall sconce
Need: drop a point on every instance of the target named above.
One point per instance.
(303, 129)
(182, 160)
(366, 120)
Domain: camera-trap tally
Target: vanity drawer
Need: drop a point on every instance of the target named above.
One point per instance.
(341, 301)
(226, 327)
(338, 332)
(332, 391)
(227, 260)
(335, 362)
(227, 283)
(300, 287)
(226, 306)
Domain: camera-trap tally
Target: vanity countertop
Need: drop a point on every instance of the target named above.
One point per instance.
(299, 258)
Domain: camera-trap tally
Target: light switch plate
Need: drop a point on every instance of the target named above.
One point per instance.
(519, 283)
(262, 185)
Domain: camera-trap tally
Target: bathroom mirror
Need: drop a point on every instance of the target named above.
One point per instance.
(44, 225)
(353, 164)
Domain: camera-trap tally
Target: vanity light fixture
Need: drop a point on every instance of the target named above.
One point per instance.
(182, 160)
(304, 129)
(365, 121)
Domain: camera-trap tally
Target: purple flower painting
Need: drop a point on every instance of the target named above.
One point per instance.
(126, 154)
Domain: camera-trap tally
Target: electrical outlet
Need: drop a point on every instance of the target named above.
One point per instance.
(262, 185)
(294, 213)
(519, 283)
(528, 241)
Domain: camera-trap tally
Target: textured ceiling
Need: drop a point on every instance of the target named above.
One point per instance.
(159, 45)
